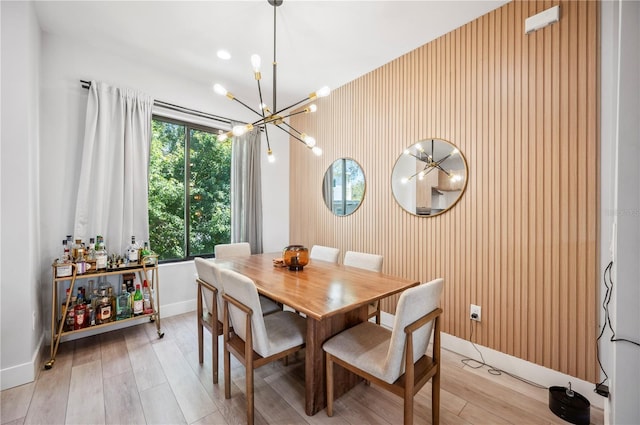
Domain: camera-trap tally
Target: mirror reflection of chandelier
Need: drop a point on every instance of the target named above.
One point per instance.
(430, 161)
(273, 115)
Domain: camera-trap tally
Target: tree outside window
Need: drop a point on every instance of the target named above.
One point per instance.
(189, 200)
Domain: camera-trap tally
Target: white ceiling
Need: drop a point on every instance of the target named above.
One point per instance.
(319, 42)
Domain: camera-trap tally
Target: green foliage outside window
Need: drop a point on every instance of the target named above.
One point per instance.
(200, 186)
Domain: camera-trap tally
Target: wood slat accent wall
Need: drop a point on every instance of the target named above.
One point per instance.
(522, 241)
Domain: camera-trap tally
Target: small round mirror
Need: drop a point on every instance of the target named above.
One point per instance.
(343, 186)
(429, 177)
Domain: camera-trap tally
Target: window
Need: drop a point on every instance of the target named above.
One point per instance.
(189, 195)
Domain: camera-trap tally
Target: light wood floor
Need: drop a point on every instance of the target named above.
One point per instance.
(131, 376)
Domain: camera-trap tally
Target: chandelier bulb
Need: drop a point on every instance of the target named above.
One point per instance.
(316, 150)
(270, 156)
(220, 90)
(313, 107)
(255, 62)
(324, 91)
(404, 180)
(310, 141)
(239, 130)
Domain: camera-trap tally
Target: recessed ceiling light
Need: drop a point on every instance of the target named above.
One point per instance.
(223, 54)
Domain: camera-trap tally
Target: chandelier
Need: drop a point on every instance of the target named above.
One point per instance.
(273, 115)
(430, 163)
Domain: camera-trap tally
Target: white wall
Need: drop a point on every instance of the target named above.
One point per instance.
(20, 283)
(620, 203)
(625, 391)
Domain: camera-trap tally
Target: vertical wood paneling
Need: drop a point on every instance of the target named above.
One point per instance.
(522, 241)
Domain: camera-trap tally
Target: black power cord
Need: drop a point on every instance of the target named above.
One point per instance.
(492, 369)
(602, 389)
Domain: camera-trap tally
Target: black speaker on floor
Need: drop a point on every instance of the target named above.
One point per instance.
(569, 405)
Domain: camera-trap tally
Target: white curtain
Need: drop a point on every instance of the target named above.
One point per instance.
(112, 202)
(246, 190)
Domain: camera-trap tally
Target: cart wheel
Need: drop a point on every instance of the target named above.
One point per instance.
(48, 365)
(160, 335)
(151, 319)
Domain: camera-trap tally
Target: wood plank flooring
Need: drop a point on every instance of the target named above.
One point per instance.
(129, 376)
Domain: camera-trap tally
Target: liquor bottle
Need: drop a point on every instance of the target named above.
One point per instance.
(112, 300)
(101, 254)
(123, 307)
(89, 291)
(63, 266)
(147, 308)
(71, 319)
(103, 308)
(81, 264)
(64, 314)
(91, 250)
(77, 250)
(129, 280)
(80, 295)
(66, 253)
(138, 302)
(93, 309)
(147, 254)
(132, 252)
(79, 316)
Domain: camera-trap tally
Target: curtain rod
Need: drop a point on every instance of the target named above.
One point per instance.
(177, 108)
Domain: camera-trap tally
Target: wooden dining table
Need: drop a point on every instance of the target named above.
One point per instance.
(333, 297)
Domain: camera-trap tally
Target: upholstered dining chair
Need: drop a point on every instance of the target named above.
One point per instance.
(324, 253)
(396, 360)
(225, 250)
(256, 339)
(209, 289)
(367, 261)
(243, 249)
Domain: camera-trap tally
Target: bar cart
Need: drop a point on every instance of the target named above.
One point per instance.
(147, 270)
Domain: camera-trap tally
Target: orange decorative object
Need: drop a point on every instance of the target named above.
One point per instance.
(295, 257)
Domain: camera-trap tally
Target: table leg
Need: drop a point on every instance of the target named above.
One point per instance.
(318, 331)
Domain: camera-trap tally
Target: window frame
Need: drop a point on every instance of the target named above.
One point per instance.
(189, 125)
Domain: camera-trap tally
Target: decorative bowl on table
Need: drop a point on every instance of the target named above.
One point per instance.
(295, 257)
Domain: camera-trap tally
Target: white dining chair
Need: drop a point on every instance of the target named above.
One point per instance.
(209, 290)
(373, 262)
(225, 250)
(324, 253)
(396, 359)
(243, 249)
(256, 339)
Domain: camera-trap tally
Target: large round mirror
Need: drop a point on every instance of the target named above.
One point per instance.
(429, 177)
(343, 186)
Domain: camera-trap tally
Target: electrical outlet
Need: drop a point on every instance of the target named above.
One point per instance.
(475, 312)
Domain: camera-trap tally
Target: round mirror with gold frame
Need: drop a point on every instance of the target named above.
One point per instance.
(429, 177)
(343, 186)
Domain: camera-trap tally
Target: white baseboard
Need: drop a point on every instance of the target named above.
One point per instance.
(519, 367)
(23, 373)
(178, 308)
